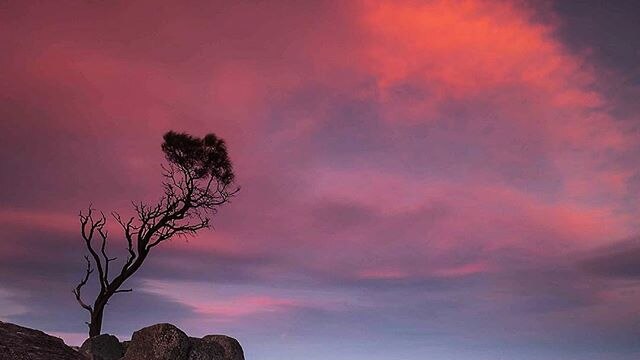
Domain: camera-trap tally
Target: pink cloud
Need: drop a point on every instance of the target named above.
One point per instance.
(243, 306)
(464, 49)
(381, 274)
(226, 304)
(464, 270)
(375, 142)
(56, 221)
(487, 52)
(493, 53)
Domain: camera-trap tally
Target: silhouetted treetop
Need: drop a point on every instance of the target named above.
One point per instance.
(201, 157)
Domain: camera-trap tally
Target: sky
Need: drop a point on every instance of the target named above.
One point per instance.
(419, 179)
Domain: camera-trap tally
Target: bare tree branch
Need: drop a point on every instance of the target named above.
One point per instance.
(93, 226)
(82, 283)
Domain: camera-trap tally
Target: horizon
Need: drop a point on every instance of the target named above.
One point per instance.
(419, 179)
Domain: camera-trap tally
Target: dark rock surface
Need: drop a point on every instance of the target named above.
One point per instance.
(20, 343)
(231, 346)
(103, 347)
(125, 346)
(158, 342)
(205, 350)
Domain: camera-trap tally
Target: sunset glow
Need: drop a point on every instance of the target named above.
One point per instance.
(419, 179)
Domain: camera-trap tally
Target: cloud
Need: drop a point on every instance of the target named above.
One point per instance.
(422, 170)
(622, 260)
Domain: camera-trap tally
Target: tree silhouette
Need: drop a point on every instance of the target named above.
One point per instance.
(197, 179)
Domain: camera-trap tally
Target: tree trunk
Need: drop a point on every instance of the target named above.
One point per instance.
(95, 327)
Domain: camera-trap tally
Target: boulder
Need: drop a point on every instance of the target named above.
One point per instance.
(204, 350)
(125, 346)
(158, 342)
(231, 346)
(21, 343)
(103, 347)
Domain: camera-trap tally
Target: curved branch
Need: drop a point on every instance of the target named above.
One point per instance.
(87, 235)
(82, 283)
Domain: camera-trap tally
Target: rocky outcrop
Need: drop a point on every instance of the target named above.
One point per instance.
(20, 343)
(125, 346)
(205, 350)
(103, 347)
(167, 342)
(231, 346)
(156, 342)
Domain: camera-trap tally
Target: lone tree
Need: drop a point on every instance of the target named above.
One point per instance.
(198, 178)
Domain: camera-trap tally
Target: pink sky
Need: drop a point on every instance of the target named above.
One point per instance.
(456, 179)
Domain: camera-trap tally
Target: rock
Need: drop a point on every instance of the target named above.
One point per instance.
(231, 346)
(103, 347)
(158, 342)
(21, 343)
(205, 350)
(125, 346)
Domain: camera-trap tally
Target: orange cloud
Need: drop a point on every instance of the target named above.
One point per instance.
(425, 54)
(461, 49)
